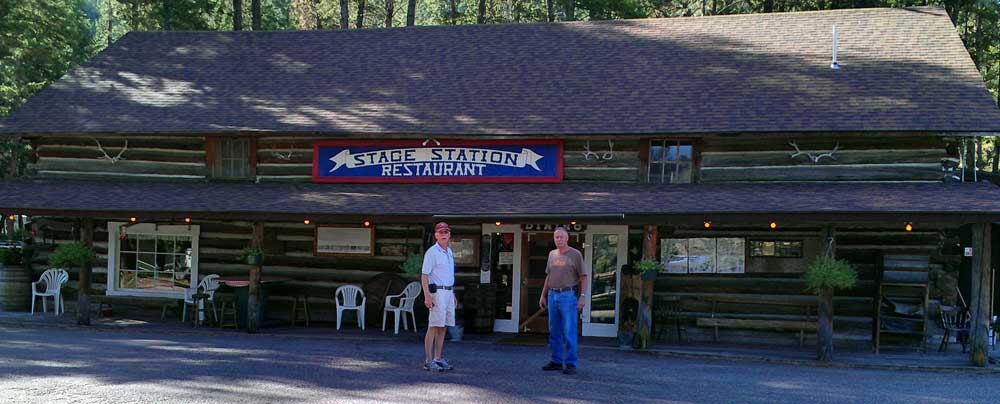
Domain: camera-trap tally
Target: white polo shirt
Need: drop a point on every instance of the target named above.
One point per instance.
(439, 265)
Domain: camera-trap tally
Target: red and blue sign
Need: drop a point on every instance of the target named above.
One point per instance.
(450, 161)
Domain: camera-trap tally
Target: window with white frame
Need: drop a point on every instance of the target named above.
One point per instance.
(151, 260)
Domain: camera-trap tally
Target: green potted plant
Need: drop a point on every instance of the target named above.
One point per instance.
(252, 255)
(648, 269)
(10, 257)
(825, 275)
(72, 255)
(413, 265)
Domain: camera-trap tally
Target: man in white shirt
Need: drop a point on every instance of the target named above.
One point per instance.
(438, 281)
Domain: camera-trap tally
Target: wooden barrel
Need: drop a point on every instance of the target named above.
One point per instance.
(15, 289)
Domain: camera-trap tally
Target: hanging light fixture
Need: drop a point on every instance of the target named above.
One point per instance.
(708, 224)
(12, 217)
(187, 220)
(908, 227)
(774, 225)
(366, 223)
(133, 219)
(306, 221)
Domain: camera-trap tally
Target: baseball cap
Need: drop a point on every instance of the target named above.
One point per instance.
(442, 226)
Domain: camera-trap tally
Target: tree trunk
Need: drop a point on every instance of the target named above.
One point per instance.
(979, 303)
(570, 10)
(111, 20)
(481, 16)
(361, 14)
(319, 20)
(411, 9)
(237, 15)
(83, 286)
(824, 333)
(454, 11)
(255, 15)
(253, 293)
(345, 18)
(548, 11)
(390, 6)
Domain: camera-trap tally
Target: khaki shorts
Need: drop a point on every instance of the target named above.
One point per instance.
(443, 313)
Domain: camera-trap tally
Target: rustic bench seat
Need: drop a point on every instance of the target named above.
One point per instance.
(103, 299)
(716, 321)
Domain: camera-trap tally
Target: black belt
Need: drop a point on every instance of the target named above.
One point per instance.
(446, 287)
(560, 290)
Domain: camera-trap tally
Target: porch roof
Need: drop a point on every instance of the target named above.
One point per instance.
(283, 201)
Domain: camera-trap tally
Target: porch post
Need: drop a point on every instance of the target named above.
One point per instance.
(644, 322)
(979, 304)
(83, 285)
(824, 330)
(253, 294)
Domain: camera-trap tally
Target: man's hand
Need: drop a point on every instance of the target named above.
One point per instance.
(580, 302)
(429, 302)
(542, 301)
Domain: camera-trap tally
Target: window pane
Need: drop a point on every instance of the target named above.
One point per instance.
(701, 255)
(655, 175)
(126, 260)
(674, 253)
(683, 174)
(672, 152)
(126, 279)
(147, 262)
(685, 152)
(656, 151)
(130, 243)
(146, 243)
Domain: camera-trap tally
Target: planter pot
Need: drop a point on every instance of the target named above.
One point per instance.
(626, 338)
(649, 276)
(255, 260)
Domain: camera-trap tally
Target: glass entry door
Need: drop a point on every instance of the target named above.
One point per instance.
(505, 273)
(605, 253)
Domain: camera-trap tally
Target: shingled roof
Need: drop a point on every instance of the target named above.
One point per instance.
(901, 70)
(45, 196)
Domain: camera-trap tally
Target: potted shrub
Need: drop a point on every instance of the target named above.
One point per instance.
(253, 255)
(648, 269)
(72, 255)
(413, 265)
(825, 275)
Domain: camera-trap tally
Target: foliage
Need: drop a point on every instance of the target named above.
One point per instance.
(648, 265)
(72, 255)
(413, 264)
(10, 256)
(251, 252)
(827, 272)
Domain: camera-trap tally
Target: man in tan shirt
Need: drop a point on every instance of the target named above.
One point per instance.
(564, 276)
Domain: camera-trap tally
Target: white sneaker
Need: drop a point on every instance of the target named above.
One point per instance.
(443, 363)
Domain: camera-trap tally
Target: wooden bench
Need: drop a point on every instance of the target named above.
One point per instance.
(102, 299)
(716, 321)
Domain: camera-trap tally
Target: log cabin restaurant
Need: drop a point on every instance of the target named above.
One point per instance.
(733, 150)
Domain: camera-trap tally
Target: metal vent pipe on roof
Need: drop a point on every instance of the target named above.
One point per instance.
(834, 65)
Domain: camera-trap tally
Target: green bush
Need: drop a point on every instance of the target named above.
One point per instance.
(250, 252)
(10, 256)
(647, 265)
(72, 255)
(413, 264)
(827, 272)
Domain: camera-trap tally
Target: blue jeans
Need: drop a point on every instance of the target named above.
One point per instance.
(562, 326)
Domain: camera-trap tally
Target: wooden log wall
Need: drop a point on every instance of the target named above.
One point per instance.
(869, 157)
(289, 252)
(860, 245)
(146, 157)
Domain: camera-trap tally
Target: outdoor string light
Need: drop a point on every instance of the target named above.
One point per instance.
(774, 225)
(708, 224)
(908, 227)
(306, 221)
(367, 223)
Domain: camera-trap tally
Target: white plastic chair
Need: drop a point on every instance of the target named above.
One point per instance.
(208, 285)
(406, 299)
(54, 279)
(349, 295)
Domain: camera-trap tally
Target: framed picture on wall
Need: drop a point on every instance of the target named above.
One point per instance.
(343, 240)
(466, 250)
(731, 254)
(674, 255)
(701, 255)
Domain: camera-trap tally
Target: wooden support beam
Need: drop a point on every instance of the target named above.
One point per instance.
(979, 303)
(253, 295)
(824, 331)
(644, 324)
(83, 286)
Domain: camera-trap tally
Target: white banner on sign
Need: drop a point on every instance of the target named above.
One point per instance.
(344, 240)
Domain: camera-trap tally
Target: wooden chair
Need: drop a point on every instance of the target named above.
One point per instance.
(669, 311)
(955, 322)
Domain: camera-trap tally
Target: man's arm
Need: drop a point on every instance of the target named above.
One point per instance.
(543, 300)
(582, 300)
(428, 301)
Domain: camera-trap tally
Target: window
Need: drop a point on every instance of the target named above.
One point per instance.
(776, 248)
(670, 162)
(151, 260)
(703, 255)
(231, 158)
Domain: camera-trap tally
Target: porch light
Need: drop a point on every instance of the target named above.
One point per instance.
(708, 224)
(367, 223)
(133, 219)
(306, 221)
(908, 227)
(498, 223)
(573, 222)
(187, 220)
(12, 217)
(774, 225)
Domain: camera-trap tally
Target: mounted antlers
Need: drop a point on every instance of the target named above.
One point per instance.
(816, 158)
(608, 155)
(117, 157)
